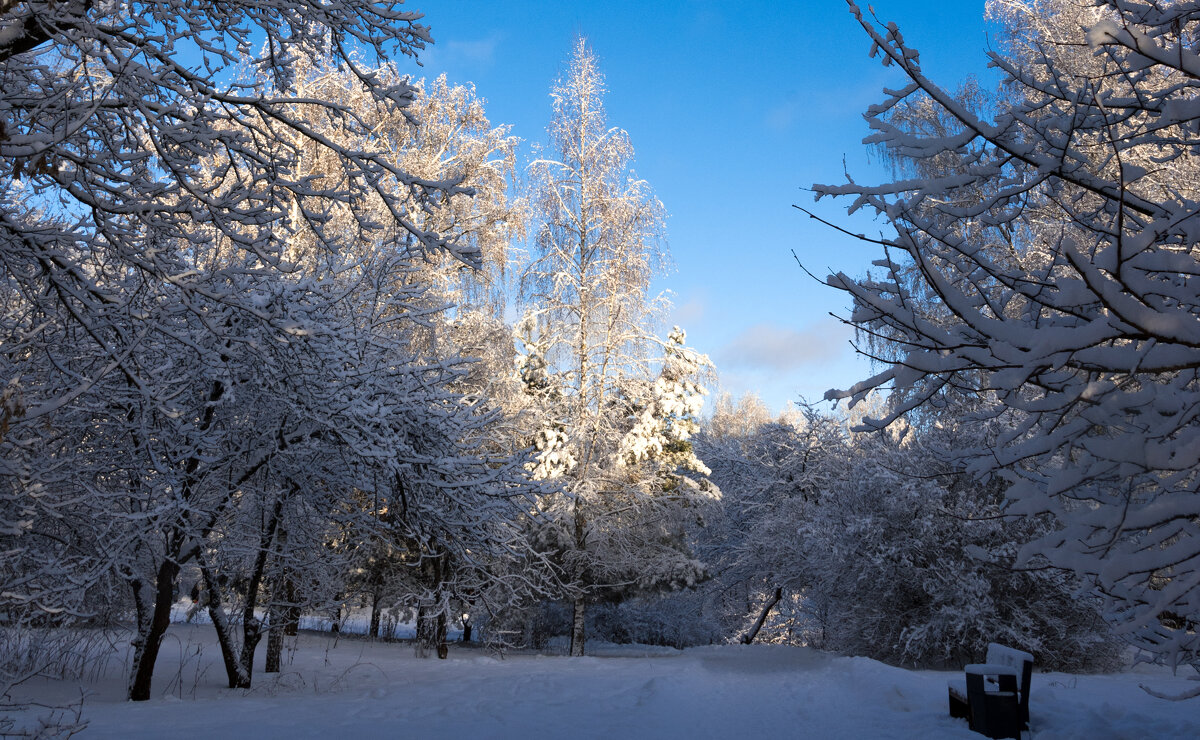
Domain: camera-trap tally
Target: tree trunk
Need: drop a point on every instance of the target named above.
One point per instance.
(578, 624)
(146, 644)
(280, 607)
(284, 619)
(252, 633)
(151, 631)
(579, 614)
(758, 623)
(424, 631)
(291, 612)
(238, 679)
(142, 612)
(252, 626)
(443, 650)
(373, 631)
(239, 666)
(274, 640)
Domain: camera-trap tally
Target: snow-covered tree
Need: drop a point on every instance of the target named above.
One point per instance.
(598, 234)
(199, 142)
(122, 162)
(442, 135)
(450, 138)
(880, 544)
(1077, 337)
(663, 429)
(771, 475)
(737, 419)
(905, 558)
(209, 299)
(455, 312)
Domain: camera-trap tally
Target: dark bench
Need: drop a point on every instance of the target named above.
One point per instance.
(994, 698)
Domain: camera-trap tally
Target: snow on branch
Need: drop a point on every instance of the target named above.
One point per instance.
(1046, 262)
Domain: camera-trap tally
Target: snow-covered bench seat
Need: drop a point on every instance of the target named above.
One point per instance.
(994, 696)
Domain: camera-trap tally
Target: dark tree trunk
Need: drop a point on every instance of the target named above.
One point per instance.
(152, 629)
(431, 631)
(443, 650)
(281, 601)
(220, 621)
(240, 666)
(373, 631)
(274, 640)
(252, 627)
(758, 623)
(284, 621)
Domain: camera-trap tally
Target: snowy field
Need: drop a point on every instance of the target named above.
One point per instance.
(352, 688)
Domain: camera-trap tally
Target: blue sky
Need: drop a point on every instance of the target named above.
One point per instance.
(734, 109)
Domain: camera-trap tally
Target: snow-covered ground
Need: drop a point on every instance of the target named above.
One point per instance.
(351, 688)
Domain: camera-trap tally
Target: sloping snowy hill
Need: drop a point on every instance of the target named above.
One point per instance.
(355, 689)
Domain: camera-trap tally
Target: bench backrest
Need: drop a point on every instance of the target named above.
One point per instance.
(1011, 657)
(1022, 662)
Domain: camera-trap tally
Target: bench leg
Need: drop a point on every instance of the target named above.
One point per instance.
(959, 709)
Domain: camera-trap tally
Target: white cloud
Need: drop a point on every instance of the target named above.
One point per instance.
(690, 314)
(462, 54)
(480, 52)
(783, 116)
(774, 348)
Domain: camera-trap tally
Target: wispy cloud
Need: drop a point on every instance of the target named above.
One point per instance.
(690, 313)
(775, 348)
(462, 54)
(785, 115)
(808, 105)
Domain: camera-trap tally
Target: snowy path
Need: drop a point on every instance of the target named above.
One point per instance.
(361, 690)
